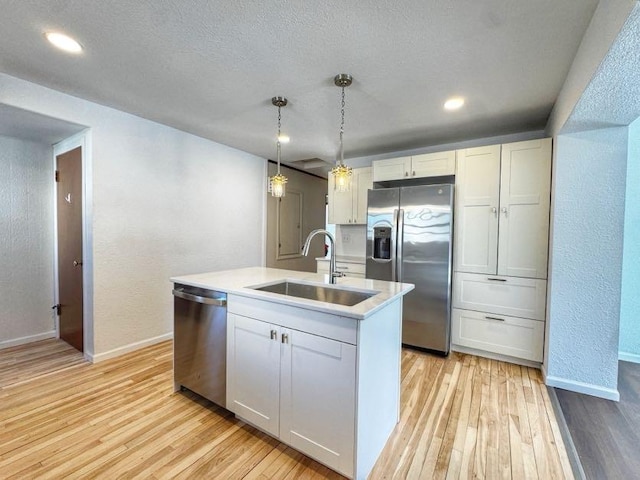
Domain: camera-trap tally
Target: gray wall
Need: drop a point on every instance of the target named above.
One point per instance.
(586, 261)
(630, 302)
(26, 241)
(313, 191)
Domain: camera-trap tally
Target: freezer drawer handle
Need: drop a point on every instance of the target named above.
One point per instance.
(220, 302)
(497, 279)
(495, 318)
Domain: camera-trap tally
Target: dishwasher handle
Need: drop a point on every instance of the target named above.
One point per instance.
(220, 302)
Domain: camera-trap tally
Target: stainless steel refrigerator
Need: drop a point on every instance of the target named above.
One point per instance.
(409, 239)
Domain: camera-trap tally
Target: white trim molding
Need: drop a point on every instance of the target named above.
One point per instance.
(629, 357)
(586, 388)
(116, 352)
(14, 342)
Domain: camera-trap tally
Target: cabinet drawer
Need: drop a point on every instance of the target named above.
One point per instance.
(350, 269)
(516, 337)
(513, 296)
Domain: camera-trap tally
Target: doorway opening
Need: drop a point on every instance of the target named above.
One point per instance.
(68, 178)
(72, 249)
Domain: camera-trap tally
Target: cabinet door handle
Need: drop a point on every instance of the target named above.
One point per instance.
(349, 220)
(494, 210)
(497, 279)
(413, 174)
(406, 174)
(274, 335)
(285, 338)
(504, 210)
(342, 268)
(495, 318)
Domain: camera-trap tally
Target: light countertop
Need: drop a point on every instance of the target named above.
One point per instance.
(237, 282)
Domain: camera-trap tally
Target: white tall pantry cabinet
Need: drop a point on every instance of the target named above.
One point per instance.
(501, 248)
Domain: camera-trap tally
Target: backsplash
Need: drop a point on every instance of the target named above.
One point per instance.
(351, 240)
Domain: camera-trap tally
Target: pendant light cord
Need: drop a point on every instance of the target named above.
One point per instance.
(342, 130)
(278, 138)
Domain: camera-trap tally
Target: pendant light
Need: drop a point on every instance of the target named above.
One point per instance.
(277, 183)
(341, 173)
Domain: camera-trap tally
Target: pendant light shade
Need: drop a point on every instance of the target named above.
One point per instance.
(278, 183)
(341, 173)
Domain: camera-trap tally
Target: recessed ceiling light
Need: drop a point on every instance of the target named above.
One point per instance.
(284, 139)
(63, 42)
(454, 103)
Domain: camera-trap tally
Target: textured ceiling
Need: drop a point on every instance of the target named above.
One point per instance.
(211, 67)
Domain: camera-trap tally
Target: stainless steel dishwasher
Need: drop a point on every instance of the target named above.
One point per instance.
(200, 342)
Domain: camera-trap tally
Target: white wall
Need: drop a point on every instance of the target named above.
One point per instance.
(586, 261)
(630, 300)
(26, 242)
(164, 203)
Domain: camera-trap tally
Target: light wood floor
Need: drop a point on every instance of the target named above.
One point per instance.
(462, 417)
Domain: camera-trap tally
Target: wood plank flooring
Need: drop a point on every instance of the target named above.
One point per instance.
(39, 359)
(606, 434)
(461, 417)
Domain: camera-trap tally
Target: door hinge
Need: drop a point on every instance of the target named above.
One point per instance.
(57, 176)
(58, 308)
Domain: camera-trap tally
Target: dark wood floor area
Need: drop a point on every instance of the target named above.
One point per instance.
(606, 434)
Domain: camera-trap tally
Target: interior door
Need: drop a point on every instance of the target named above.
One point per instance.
(69, 211)
(524, 209)
(477, 196)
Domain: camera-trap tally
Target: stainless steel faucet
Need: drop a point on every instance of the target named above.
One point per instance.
(332, 261)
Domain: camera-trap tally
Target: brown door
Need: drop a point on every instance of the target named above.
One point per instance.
(69, 208)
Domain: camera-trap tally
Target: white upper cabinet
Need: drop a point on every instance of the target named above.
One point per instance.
(476, 209)
(502, 209)
(391, 169)
(433, 164)
(350, 207)
(416, 166)
(524, 209)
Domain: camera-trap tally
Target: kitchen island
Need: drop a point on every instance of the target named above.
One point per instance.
(320, 376)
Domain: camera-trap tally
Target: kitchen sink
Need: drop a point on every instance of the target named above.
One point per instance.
(320, 293)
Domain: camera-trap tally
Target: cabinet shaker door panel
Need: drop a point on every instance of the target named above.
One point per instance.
(476, 209)
(524, 208)
(318, 399)
(253, 372)
(433, 164)
(361, 183)
(391, 169)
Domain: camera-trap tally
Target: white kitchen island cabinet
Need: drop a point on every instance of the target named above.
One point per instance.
(320, 376)
(318, 392)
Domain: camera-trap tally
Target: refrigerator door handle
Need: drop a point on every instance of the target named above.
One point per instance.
(400, 242)
(394, 243)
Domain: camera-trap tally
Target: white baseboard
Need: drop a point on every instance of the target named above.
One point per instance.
(629, 357)
(28, 339)
(586, 388)
(116, 352)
